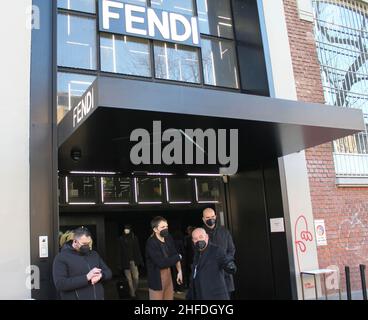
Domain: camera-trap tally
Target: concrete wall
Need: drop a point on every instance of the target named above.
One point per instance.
(14, 146)
(293, 169)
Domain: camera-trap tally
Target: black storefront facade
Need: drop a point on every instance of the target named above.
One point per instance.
(268, 129)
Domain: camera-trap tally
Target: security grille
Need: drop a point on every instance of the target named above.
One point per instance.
(341, 34)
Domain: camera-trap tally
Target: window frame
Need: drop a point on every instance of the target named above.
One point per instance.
(98, 72)
(235, 52)
(101, 34)
(97, 41)
(200, 78)
(78, 74)
(217, 36)
(79, 11)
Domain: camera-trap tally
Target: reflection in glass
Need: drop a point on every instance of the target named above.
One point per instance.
(176, 62)
(148, 190)
(70, 87)
(76, 42)
(179, 190)
(78, 5)
(341, 36)
(214, 18)
(219, 63)
(81, 189)
(180, 6)
(126, 55)
(116, 190)
(207, 189)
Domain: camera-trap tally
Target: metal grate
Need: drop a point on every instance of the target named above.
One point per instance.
(341, 34)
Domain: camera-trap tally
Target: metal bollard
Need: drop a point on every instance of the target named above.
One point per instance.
(362, 277)
(348, 285)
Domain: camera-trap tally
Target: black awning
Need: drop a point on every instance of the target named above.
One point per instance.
(101, 126)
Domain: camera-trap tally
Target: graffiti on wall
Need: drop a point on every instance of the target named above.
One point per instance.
(353, 236)
(302, 235)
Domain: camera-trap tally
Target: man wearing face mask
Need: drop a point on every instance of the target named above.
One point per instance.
(161, 256)
(210, 264)
(131, 258)
(221, 237)
(78, 271)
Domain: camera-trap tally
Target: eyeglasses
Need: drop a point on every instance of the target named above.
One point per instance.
(82, 244)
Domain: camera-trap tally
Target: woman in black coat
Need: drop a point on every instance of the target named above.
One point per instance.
(161, 255)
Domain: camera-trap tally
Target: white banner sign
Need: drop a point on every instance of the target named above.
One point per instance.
(320, 229)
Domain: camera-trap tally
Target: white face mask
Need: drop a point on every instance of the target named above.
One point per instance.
(126, 231)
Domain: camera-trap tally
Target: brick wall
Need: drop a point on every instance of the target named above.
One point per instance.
(345, 210)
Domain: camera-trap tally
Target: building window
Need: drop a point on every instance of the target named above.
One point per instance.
(207, 190)
(137, 2)
(176, 62)
(126, 55)
(61, 188)
(148, 190)
(215, 18)
(342, 42)
(219, 63)
(78, 5)
(81, 190)
(76, 41)
(77, 47)
(116, 190)
(70, 87)
(181, 6)
(179, 190)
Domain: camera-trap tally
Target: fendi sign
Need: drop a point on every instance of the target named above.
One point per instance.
(140, 21)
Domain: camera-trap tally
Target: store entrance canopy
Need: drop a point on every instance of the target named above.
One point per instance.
(100, 125)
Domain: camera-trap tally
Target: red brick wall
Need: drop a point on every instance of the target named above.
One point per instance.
(345, 210)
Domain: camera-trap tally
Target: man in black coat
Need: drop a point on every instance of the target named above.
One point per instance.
(221, 237)
(209, 267)
(131, 258)
(78, 271)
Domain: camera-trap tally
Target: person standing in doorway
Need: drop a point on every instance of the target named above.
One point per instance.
(221, 237)
(131, 258)
(78, 271)
(161, 256)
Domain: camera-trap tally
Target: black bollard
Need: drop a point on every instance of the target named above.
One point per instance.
(348, 285)
(362, 277)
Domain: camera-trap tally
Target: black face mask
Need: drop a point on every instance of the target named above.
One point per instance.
(200, 245)
(164, 233)
(84, 249)
(211, 222)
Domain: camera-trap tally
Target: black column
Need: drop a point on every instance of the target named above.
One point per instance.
(263, 258)
(43, 166)
(254, 279)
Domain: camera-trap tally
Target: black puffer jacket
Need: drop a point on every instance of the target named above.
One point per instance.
(70, 271)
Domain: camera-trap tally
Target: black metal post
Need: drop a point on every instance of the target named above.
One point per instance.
(362, 277)
(348, 285)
